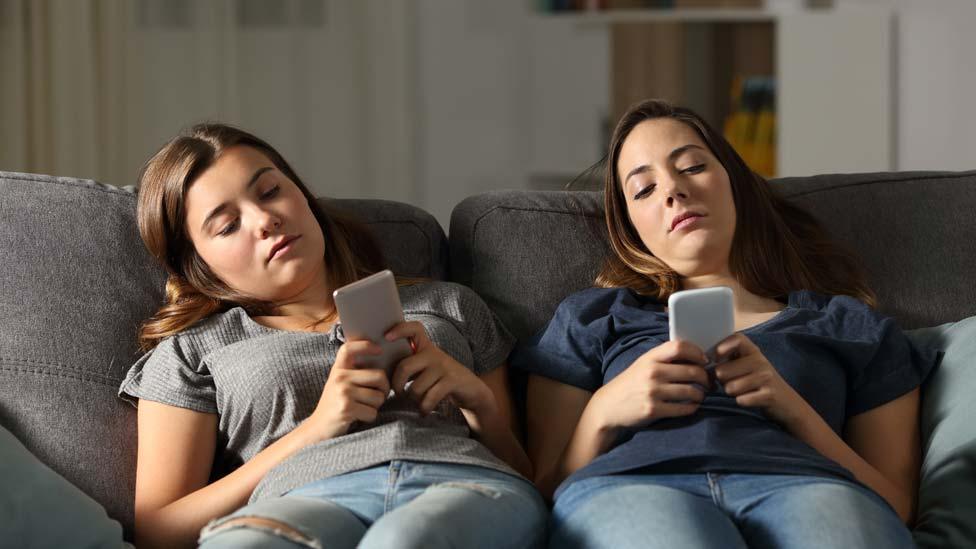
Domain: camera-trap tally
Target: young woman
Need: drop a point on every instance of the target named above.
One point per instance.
(255, 423)
(806, 436)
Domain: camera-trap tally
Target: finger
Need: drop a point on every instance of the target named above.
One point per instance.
(368, 396)
(754, 399)
(679, 392)
(350, 350)
(370, 378)
(423, 382)
(733, 369)
(406, 370)
(434, 396)
(408, 330)
(681, 373)
(745, 384)
(734, 347)
(679, 351)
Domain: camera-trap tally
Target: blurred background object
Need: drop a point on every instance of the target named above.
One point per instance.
(430, 101)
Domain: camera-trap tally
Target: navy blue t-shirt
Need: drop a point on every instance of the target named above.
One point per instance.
(840, 355)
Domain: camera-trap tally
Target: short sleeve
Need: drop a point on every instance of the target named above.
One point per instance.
(895, 366)
(489, 340)
(171, 374)
(570, 348)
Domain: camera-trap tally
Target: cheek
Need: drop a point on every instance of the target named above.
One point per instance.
(228, 259)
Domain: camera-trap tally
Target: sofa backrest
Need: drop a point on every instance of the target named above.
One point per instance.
(75, 284)
(524, 251)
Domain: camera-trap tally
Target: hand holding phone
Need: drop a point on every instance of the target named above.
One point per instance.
(703, 317)
(368, 308)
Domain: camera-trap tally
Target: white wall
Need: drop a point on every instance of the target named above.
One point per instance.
(936, 83)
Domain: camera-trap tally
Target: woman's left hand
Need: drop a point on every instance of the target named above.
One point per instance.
(747, 375)
(436, 375)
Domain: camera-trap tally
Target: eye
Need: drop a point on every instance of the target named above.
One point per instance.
(644, 192)
(694, 169)
(228, 229)
(271, 193)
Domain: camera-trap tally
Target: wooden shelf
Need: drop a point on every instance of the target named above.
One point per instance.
(657, 15)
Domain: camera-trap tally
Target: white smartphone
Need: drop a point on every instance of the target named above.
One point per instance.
(368, 308)
(704, 317)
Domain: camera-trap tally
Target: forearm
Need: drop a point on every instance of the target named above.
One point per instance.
(490, 428)
(813, 430)
(591, 438)
(178, 524)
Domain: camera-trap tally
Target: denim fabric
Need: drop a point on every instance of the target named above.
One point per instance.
(401, 504)
(723, 511)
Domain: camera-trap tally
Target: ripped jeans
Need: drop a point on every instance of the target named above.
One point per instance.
(399, 504)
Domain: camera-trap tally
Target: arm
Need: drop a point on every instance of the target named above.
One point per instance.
(569, 427)
(884, 442)
(177, 446)
(176, 450)
(495, 425)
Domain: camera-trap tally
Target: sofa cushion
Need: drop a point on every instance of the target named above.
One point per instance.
(77, 283)
(946, 503)
(33, 493)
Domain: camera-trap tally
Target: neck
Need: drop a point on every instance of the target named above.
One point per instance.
(311, 304)
(744, 301)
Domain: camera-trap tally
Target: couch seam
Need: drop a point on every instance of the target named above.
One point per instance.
(88, 377)
(873, 182)
(83, 183)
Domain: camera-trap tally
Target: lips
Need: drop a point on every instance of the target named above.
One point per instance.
(681, 217)
(279, 245)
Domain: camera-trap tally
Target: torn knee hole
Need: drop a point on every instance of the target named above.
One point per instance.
(268, 525)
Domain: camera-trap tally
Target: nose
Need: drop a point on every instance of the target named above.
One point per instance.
(673, 190)
(268, 223)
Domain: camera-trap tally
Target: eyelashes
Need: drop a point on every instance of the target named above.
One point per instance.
(233, 224)
(692, 170)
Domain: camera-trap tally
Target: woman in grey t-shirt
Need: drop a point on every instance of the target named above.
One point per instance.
(255, 424)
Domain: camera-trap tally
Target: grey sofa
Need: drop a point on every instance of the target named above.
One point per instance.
(76, 282)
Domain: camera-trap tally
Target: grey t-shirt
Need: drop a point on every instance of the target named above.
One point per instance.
(263, 382)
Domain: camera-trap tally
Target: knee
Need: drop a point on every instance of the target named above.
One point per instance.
(256, 532)
(401, 534)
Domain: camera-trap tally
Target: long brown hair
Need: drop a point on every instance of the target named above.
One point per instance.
(193, 291)
(777, 246)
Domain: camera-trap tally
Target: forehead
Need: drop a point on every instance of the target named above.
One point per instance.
(225, 177)
(653, 140)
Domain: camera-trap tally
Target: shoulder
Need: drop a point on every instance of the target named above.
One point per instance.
(841, 315)
(593, 303)
(436, 296)
(209, 334)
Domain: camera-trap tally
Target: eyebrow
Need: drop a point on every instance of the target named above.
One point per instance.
(216, 211)
(646, 168)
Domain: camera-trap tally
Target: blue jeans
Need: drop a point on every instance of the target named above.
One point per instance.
(400, 504)
(728, 511)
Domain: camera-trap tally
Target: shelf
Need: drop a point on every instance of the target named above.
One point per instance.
(684, 15)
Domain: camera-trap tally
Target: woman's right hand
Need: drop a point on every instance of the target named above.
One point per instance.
(351, 393)
(656, 385)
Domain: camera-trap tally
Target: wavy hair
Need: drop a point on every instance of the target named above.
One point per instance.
(193, 290)
(777, 247)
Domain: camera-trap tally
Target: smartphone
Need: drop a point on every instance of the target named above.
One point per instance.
(368, 308)
(704, 317)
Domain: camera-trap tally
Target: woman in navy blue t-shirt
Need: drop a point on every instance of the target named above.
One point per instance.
(806, 436)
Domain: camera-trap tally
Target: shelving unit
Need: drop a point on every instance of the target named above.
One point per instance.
(834, 104)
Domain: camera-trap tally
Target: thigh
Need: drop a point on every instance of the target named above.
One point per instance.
(631, 511)
(461, 506)
(285, 522)
(804, 511)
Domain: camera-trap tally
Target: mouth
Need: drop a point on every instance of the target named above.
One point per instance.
(676, 220)
(284, 242)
